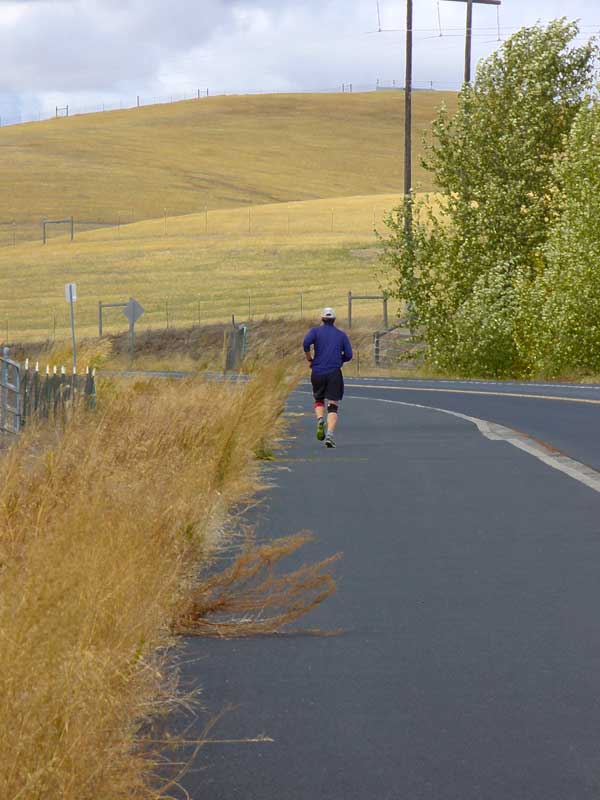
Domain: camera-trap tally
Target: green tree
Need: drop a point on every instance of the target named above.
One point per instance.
(567, 328)
(493, 161)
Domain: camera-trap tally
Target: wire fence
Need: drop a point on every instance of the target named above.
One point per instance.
(333, 216)
(9, 117)
(181, 311)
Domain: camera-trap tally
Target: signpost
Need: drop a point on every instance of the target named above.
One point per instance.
(71, 297)
(133, 311)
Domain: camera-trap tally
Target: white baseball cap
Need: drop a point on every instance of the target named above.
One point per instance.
(328, 313)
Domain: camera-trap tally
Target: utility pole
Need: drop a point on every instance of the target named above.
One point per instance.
(468, 41)
(408, 117)
(469, 31)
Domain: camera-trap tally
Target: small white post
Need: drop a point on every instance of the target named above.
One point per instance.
(72, 306)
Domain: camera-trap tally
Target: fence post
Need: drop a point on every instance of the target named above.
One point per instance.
(349, 309)
(3, 388)
(72, 229)
(100, 319)
(43, 231)
(376, 337)
(131, 336)
(385, 312)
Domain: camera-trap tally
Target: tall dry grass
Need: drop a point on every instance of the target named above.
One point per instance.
(102, 530)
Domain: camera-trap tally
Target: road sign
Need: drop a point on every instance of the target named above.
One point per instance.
(70, 292)
(71, 296)
(133, 311)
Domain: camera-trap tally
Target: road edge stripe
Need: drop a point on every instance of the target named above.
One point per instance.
(500, 433)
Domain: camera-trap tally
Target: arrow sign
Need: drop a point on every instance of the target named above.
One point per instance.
(133, 311)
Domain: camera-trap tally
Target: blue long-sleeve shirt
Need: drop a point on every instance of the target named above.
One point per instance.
(332, 348)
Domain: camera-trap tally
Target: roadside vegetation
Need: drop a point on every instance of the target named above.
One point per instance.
(197, 348)
(500, 276)
(108, 535)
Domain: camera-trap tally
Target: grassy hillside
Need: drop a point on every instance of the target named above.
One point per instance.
(218, 152)
(316, 249)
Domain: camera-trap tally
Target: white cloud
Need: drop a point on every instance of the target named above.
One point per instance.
(81, 51)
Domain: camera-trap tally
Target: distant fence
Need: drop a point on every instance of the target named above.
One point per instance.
(184, 310)
(27, 394)
(396, 347)
(279, 220)
(199, 93)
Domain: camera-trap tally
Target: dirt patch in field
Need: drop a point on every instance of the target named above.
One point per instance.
(366, 254)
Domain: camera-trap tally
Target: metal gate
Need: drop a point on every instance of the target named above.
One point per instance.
(236, 342)
(27, 394)
(10, 394)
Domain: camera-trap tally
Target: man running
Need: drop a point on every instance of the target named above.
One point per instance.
(331, 349)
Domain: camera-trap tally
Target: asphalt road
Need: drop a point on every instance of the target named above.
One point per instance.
(469, 663)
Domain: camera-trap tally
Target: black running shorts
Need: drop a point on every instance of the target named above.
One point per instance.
(328, 387)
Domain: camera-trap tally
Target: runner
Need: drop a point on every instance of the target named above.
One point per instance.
(331, 349)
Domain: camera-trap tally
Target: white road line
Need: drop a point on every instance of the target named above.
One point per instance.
(490, 393)
(499, 433)
(572, 386)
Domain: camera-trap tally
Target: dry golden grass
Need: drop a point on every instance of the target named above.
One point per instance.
(187, 276)
(200, 348)
(250, 598)
(102, 531)
(218, 152)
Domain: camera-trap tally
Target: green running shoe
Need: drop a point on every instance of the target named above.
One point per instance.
(329, 440)
(321, 430)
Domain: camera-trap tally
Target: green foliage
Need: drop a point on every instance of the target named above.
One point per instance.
(568, 294)
(467, 269)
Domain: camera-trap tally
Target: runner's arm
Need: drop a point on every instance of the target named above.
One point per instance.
(309, 340)
(347, 351)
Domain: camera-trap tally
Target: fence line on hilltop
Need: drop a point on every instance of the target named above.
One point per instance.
(139, 101)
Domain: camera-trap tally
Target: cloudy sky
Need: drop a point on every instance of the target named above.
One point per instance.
(90, 52)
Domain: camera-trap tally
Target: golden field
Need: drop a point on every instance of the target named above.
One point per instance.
(217, 152)
(253, 262)
(252, 206)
